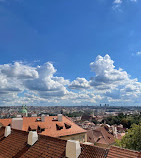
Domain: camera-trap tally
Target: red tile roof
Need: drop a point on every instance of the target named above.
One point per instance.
(12, 144)
(50, 126)
(2, 130)
(5, 122)
(116, 152)
(100, 135)
(15, 145)
(89, 151)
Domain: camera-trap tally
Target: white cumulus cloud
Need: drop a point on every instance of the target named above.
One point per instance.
(21, 83)
(79, 83)
(106, 74)
(118, 1)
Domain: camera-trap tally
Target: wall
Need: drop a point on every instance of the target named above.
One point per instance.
(82, 137)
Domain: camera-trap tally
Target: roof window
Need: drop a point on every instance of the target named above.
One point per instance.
(38, 119)
(67, 125)
(54, 119)
(59, 126)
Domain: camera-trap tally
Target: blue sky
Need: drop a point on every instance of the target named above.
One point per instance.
(69, 35)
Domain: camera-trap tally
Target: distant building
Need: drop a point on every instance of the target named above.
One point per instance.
(100, 137)
(23, 111)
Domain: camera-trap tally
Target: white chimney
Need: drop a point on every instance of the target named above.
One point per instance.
(43, 118)
(7, 131)
(19, 116)
(60, 117)
(88, 143)
(17, 123)
(115, 131)
(73, 149)
(32, 137)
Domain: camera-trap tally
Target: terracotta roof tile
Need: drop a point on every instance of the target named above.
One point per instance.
(12, 144)
(60, 124)
(93, 152)
(46, 147)
(15, 145)
(55, 148)
(2, 130)
(42, 126)
(115, 152)
(5, 122)
(101, 135)
(33, 126)
(50, 126)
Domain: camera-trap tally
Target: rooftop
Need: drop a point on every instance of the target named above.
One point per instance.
(15, 145)
(49, 125)
(115, 152)
(100, 135)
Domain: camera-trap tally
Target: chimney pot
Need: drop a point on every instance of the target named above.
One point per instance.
(60, 117)
(43, 118)
(73, 149)
(17, 123)
(32, 137)
(7, 131)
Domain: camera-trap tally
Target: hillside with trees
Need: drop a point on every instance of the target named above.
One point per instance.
(132, 139)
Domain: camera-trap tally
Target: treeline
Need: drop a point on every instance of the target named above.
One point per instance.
(74, 114)
(132, 139)
(125, 120)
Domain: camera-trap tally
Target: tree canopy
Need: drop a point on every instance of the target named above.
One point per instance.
(132, 139)
(125, 120)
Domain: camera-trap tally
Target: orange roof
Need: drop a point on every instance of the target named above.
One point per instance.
(67, 123)
(5, 122)
(60, 124)
(42, 126)
(50, 126)
(33, 127)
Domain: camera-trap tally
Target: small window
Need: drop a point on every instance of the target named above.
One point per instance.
(67, 125)
(38, 119)
(40, 129)
(59, 127)
(54, 119)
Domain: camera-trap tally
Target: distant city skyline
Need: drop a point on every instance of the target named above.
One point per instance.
(70, 52)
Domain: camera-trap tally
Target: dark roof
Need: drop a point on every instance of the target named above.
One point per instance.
(93, 152)
(15, 145)
(115, 152)
(12, 144)
(100, 135)
(47, 147)
(2, 129)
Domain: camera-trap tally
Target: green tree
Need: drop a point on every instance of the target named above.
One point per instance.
(132, 139)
